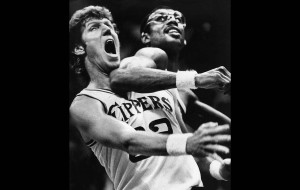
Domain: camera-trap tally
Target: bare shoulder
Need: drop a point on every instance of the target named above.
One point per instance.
(158, 55)
(151, 52)
(147, 57)
(83, 109)
(78, 105)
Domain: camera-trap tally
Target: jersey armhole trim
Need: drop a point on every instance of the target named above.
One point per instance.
(179, 101)
(101, 90)
(168, 90)
(181, 108)
(90, 143)
(104, 105)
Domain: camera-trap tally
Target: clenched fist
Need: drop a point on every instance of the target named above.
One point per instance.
(218, 78)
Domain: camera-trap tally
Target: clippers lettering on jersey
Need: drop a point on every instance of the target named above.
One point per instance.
(110, 112)
(156, 103)
(143, 101)
(133, 107)
(136, 104)
(167, 102)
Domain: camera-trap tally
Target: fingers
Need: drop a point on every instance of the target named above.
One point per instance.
(224, 77)
(227, 164)
(215, 78)
(207, 137)
(216, 148)
(213, 130)
(227, 161)
(210, 152)
(224, 71)
(224, 81)
(215, 156)
(216, 139)
(208, 125)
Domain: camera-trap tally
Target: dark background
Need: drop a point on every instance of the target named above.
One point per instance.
(37, 88)
(208, 35)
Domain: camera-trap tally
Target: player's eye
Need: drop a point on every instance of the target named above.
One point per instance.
(179, 19)
(161, 18)
(94, 27)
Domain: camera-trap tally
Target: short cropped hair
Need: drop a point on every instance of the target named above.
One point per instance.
(79, 18)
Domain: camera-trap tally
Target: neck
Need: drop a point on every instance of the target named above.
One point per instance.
(97, 85)
(173, 63)
(98, 79)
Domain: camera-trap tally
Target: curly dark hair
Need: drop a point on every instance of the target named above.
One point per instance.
(77, 21)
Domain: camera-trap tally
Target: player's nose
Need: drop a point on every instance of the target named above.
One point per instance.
(172, 20)
(106, 32)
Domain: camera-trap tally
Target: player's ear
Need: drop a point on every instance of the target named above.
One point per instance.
(145, 38)
(79, 50)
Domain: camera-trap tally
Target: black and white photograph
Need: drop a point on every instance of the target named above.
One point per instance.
(149, 94)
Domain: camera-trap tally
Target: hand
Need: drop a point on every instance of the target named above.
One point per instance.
(218, 78)
(205, 139)
(225, 170)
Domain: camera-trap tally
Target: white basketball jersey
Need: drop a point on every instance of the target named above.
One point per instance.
(153, 113)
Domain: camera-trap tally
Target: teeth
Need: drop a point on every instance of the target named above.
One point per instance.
(173, 30)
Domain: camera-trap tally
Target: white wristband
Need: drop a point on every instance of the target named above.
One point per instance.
(214, 169)
(186, 79)
(176, 144)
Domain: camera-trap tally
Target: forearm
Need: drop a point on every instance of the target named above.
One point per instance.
(119, 135)
(142, 80)
(145, 72)
(140, 142)
(211, 113)
(148, 144)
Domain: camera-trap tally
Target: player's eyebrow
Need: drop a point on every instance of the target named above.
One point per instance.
(99, 21)
(91, 22)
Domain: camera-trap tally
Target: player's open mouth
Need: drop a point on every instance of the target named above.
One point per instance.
(110, 46)
(173, 30)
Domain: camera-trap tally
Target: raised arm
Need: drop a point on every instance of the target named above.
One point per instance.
(144, 73)
(198, 112)
(211, 113)
(88, 116)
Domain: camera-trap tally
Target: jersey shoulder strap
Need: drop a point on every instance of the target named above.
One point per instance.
(180, 102)
(97, 94)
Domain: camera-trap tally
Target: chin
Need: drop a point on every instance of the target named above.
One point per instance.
(174, 44)
(112, 60)
(115, 65)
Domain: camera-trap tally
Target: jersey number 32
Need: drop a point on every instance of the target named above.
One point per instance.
(155, 127)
